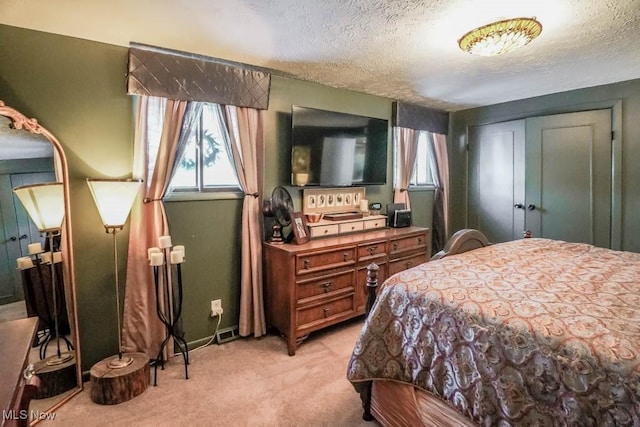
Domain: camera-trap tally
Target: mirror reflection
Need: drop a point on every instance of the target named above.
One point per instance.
(35, 278)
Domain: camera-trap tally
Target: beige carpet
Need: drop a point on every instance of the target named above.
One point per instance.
(13, 311)
(247, 382)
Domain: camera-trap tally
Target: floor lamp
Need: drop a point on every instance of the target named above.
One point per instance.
(114, 199)
(45, 205)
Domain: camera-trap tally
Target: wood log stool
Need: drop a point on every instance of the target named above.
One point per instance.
(55, 378)
(110, 386)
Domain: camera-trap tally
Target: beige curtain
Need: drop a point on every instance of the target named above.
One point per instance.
(406, 143)
(442, 160)
(245, 126)
(142, 330)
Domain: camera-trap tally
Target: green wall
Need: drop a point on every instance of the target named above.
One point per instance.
(76, 88)
(626, 94)
(287, 92)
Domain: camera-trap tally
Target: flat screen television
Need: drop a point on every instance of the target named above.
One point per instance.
(333, 149)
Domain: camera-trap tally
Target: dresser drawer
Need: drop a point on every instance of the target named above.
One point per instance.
(324, 230)
(325, 285)
(349, 227)
(405, 263)
(321, 283)
(325, 311)
(408, 244)
(370, 224)
(325, 260)
(372, 250)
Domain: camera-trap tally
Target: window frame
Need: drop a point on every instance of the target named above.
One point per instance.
(412, 185)
(429, 161)
(201, 191)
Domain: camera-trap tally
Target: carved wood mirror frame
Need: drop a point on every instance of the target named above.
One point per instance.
(20, 121)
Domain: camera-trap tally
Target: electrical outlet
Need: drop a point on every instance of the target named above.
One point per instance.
(216, 307)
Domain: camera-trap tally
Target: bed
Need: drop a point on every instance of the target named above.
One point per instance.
(529, 332)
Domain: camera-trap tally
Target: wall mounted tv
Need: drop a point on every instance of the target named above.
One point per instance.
(333, 149)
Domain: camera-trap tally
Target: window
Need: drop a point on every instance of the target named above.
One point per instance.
(422, 170)
(206, 163)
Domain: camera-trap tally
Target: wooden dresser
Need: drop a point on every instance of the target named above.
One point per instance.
(320, 283)
(16, 391)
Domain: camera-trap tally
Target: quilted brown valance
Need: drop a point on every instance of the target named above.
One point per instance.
(178, 75)
(420, 118)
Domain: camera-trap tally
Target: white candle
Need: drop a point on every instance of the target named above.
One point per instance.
(151, 251)
(165, 242)
(46, 258)
(156, 259)
(24, 262)
(57, 257)
(364, 205)
(179, 248)
(177, 257)
(35, 248)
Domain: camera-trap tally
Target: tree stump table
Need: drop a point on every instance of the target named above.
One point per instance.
(57, 378)
(110, 386)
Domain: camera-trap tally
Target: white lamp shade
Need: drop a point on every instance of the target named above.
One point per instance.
(114, 198)
(44, 203)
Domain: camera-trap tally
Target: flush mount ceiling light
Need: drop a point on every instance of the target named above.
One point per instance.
(500, 37)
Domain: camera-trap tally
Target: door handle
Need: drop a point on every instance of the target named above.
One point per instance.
(13, 238)
(24, 236)
(531, 206)
(518, 206)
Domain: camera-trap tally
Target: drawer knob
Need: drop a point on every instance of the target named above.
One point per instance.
(326, 311)
(29, 372)
(372, 249)
(326, 286)
(419, 240)
(395, 246)
(409, 264)
(345, 256)
(307, 263)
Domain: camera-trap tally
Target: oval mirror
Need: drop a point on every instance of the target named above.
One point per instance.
(30, 284)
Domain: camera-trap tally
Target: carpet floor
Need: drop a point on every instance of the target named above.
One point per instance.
(246, 382)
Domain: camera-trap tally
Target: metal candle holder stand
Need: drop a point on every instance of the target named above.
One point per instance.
(170, 314)
(51, 318)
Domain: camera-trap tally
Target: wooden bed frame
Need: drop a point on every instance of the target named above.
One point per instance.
(397, 404)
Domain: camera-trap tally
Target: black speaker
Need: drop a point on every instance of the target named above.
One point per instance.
(401, 218)
(391, 210)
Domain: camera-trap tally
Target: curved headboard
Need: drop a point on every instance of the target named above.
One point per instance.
(463, 240)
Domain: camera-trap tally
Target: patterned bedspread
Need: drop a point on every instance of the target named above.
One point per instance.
(529, 332)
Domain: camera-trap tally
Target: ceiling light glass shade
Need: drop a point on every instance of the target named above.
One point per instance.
(44, 203)
(500, 37)
(114, 199)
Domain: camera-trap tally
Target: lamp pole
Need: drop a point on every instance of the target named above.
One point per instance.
(121, 361)
(59, 358)
(114, 199)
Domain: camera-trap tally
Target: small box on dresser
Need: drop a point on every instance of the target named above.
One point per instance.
(321, 283)
(326, 228)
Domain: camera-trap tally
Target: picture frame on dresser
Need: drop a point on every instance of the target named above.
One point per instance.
(300, 230)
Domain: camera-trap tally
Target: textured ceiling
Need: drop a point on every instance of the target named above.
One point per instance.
(402, 49)
(21, 144)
